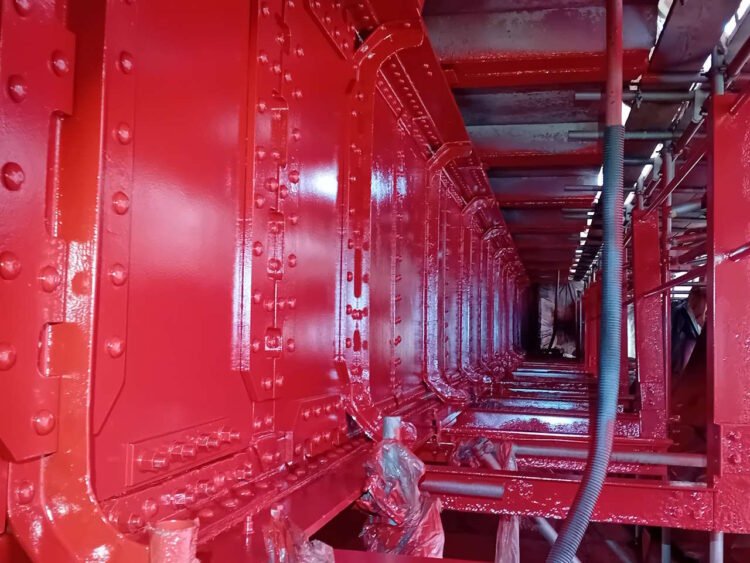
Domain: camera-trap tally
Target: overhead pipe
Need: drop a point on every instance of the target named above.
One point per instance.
(637, 95)
(629, 136)
(579, 515)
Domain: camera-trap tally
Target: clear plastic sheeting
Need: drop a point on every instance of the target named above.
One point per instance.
(557, 317)
(402, 519)
(287, 543)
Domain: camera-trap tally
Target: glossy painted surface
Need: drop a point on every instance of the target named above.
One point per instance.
(233, 238)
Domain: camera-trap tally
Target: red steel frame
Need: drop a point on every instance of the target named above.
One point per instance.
(214, 299)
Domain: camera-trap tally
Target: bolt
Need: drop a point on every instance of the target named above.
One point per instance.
(257, 248)
(7, 356)
(118, 275)
(13, 176)
(120, 203)
(43, 422)
(115, 347)
(182, 451)
(207, 442)
(17, 88)
(125, 62)
(49, 279)
(123, 133)
(59, 63)
(292, 260)
(23, 7)
(153, 462)
(10, 266)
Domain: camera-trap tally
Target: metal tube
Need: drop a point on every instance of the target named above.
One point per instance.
(666, 545)
(630, 95)
(174, 541)
(641, 458)
(694, 273)
(629, 136)
(673, 78)
(440, 484)
(717, 547)
(739, 253)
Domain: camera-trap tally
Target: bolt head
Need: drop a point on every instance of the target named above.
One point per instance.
(10, 266)
(18, 89)
(120, 203)
(49, 279)
(118, 275)
(25, 492)
(44, 422)
(125, 62)
(59, 63)
(7, 356)
(115, 347)
(123, 134)
(13, 176)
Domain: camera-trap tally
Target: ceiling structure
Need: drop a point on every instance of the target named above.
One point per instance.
(515, 67)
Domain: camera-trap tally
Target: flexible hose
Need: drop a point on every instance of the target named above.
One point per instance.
(564, 549)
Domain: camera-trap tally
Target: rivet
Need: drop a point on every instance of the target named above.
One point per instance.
(265, 10)
(292, 260)
(262, 106)
(260, 153)
(276, 68)
(123, 133)
(268, 305)
(288, 76)
(267, 383)
(118, 275)
(25, 492)
(23, 7)
(294, 176)
(348, 342)
(291, 302)
(300, 51)
(274, 264)
(13, 176)
(44, 422)
(296, 134)
(10, 265)
(7, 356)
(125, 62)
(297, 94)
(257, 297)
(272, 184)
(120, 203)
(49, 279)
(283, 191)
(260, 201)
(291, 345)
(115, 347)
(17, 88)
(255, 345)
(59, 63)
(279, 380)
(275, 154)
(257, 248)
(349, 276)
(262, 57)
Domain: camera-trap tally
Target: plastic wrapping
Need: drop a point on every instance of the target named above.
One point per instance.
(403, 520)
(287, 543)
(507, 540)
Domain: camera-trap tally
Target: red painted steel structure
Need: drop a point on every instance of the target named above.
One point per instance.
(233, 240)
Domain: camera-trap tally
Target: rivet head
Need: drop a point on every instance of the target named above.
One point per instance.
(260, 201)
(59, 63)
(274, 264)
(23, 7)
(17, 88)
(292, 260)
(294, 176)
(10, 266)
(255, 345)
(115, 347)
(291, 345)
(272, 184)
(123, 133)
(13, 176)
(296, 134)
(49, 279)
(149, 508)
(7, 356)
(118, 275)
(125, 62)
(257, 248)
(120, 203)
(257, 297)
(25, 492)
(283, 191)
(44, 422)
